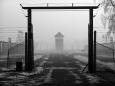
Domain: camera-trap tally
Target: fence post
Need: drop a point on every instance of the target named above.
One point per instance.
(26, 51)
(1, 47)
(95, 33)
(72, 4)
(111, 40)
(9, 45)
(88, 47)
(47, 4)
(8, 59)
(113, 51)
(32, 47)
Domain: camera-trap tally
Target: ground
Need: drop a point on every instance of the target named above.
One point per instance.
(58, 70)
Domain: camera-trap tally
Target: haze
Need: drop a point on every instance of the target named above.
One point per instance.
(72, 24)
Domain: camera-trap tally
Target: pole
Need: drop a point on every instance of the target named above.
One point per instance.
(32, 46)
(94, 51)
(89, 48)
(9, 45)
(113, 52)
(26, 51)
(30, 43)
(8, 59)
(90, 32)
(112, 46)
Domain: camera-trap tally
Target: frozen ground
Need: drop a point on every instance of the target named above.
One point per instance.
(58, 70)
(84, 59)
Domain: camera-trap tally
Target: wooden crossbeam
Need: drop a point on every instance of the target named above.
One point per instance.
(60, 7)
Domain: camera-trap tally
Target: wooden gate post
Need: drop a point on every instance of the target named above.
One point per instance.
(94, 51)
(30, 43)
(26, 51)
(90, 42)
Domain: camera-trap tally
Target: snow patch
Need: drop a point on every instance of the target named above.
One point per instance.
(92, 79)
(85, 60)
(77, 77)
(48, 77)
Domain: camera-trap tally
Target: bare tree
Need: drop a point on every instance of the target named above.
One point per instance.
(108, 16)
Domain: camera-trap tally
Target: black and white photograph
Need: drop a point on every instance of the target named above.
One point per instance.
(57, 42)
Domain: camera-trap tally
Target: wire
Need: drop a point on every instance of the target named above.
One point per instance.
(104, 46)
(23, 12)
(11, 27)
(97, 12)
(21, 8)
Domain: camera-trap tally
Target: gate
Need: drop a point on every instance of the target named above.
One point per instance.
(30, 63)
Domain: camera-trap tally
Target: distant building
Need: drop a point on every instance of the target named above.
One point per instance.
(4, 46)
(14, 47)
(20, 36)
(59, 41)
(11, 51)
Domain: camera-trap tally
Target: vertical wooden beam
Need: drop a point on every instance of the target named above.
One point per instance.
(90, 59)
(1, 47)
(30, 39)
(8, 59)
(26, 51)
(8, 54)
(95, 37)
(89, 47)
(32, 48)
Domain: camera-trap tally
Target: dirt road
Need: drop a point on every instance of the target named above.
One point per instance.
(56, 70)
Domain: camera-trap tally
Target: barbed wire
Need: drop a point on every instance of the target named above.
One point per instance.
(18, 1)
(11, 27)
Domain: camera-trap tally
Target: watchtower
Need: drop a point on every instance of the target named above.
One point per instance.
(59, 41)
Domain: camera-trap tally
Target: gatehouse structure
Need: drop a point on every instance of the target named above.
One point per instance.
(29, 42)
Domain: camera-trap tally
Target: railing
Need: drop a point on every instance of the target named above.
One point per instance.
(105, 51)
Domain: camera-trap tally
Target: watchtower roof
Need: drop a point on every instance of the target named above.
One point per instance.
(59, 34)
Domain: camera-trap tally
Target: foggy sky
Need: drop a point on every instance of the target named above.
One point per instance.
(72, 24)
